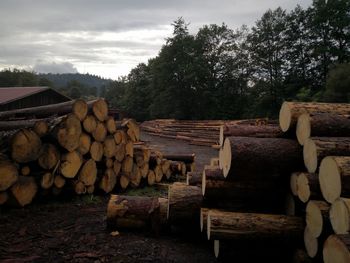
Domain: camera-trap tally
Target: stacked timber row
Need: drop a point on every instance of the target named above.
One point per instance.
(81, 149)
(323, 187)
(205, 132)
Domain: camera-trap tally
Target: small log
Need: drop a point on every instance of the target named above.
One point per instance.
(124, 181)
(194, 178)
(144, 170)
(127, 165)
(47, 180)
(165, 165)
(308, 187)
(108, 181)
(135, 176)
(322, 125)
(49, 156)
(339, 215)
(317, 215)
(301, 256)
(187, 158)
(151, 177)
(132, 212)
(90, 189)
(111, 125)
(100, 109)
(96, 151)
(184, 204)
(41, 128)
(117, 167)
(109, 162)
(70, 164)
(214, 161)
(133, 129)
(23, 191)
(243, 156)
(68, 132)
(59, 181)
(88, 173)
(80, 109)
(317, 148)
(90, 124)
(158, 173)
(120, 152)
(100, 133)
(109, 147)
(251, 226)
(8, 174)
(25, 146)
(334, 177)
(79, 187)
(337, 249)
(120, 137)
(84, 143)
(311, 243)
(129, 149)
(290, 111)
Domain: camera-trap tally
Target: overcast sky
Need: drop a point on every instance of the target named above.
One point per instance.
(108, 37)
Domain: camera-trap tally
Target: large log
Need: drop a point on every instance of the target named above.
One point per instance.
(25, 146)
(132, 211)
(315, 149)
(290, 111)
(100, 109)
(339, 215)
(68, 132)
(336, 249)
(184, 204)
(244, 156)
(317, 216)
(322, 125)
(8, 174)
(23, 191)
(70, 164)
(88, 173)
(334, 177)
(223, 225)
(308, 187)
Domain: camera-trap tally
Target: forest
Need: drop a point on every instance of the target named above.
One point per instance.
(225, 73)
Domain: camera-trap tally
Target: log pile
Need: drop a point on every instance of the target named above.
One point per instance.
(269, 188)
(80, 149)
(206, 132)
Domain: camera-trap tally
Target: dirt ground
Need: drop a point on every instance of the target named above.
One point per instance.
(75, 230)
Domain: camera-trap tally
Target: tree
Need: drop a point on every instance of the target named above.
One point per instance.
(338, 84)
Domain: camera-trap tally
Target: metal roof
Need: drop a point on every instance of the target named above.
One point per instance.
(14, 93)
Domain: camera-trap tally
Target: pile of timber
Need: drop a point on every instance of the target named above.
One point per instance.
(272, 195)
(198, 132)
(76, 147)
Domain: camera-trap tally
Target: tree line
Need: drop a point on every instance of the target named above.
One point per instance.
(224, 73)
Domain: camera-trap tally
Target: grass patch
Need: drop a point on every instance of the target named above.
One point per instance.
(151, 191)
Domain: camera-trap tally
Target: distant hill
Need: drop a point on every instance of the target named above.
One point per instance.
(61, 80)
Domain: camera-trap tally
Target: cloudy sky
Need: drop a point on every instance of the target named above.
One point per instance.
(108, 37)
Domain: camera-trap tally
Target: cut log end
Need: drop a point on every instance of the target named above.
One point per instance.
(204, 180)
(225, 158)
(303, 130)
(311, 243)
(314, 220)
(216, 248)
(24, 190)
(221, 135)
(294, 183)
(330, 180)
(339, 216)
(303, 188)
(285, 117)
(310, 155)
(80, 109)
(336, 250)
(100, 109)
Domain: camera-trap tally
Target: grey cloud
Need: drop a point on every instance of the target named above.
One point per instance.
(44, 67)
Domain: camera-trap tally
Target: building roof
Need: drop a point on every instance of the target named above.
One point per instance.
(14, 93)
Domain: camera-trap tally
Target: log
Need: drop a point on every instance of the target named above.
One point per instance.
(90, 124)
(25, 170)
(336, 249)
(223, 225)
(301, 256)
(339, 215)
(49, 156)
(84, 143)
(41, 128)
(308, 187)
(187, 158)
(80, 109)
(68, 132)
(127, 165)
(215, 161)
(133, 129)
(129, 149)
(59, 181)
(117, 167)
(194, 178)
(88, 173)
(317, 148)
(294, 183)
(322, 125)
(311, 243)
(120, 152)
(135, 176)
(79, 187)
(120, 137)
(109, 162)
(111, 125)
(70, 164)
(3, 198)
(90, 189)
(265, 131)
(317, 215)
(100, 109)
(96, 151)
(158, 173)
(290, 111)
(25, 146)
(163, 210)
(18, 124)
(184, 204)
(108, 181)
(204, 219)
(132, 212)
(144, 170)
(9, 174)
(100, 133)
(151, 177)
(243, 156)
(47, 180)
(23, 191)
(334, 177)
(124, 181)
(109, 147)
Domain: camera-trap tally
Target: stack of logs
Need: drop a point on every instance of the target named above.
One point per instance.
(80, 149)
(257, 198)
(204, 133)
